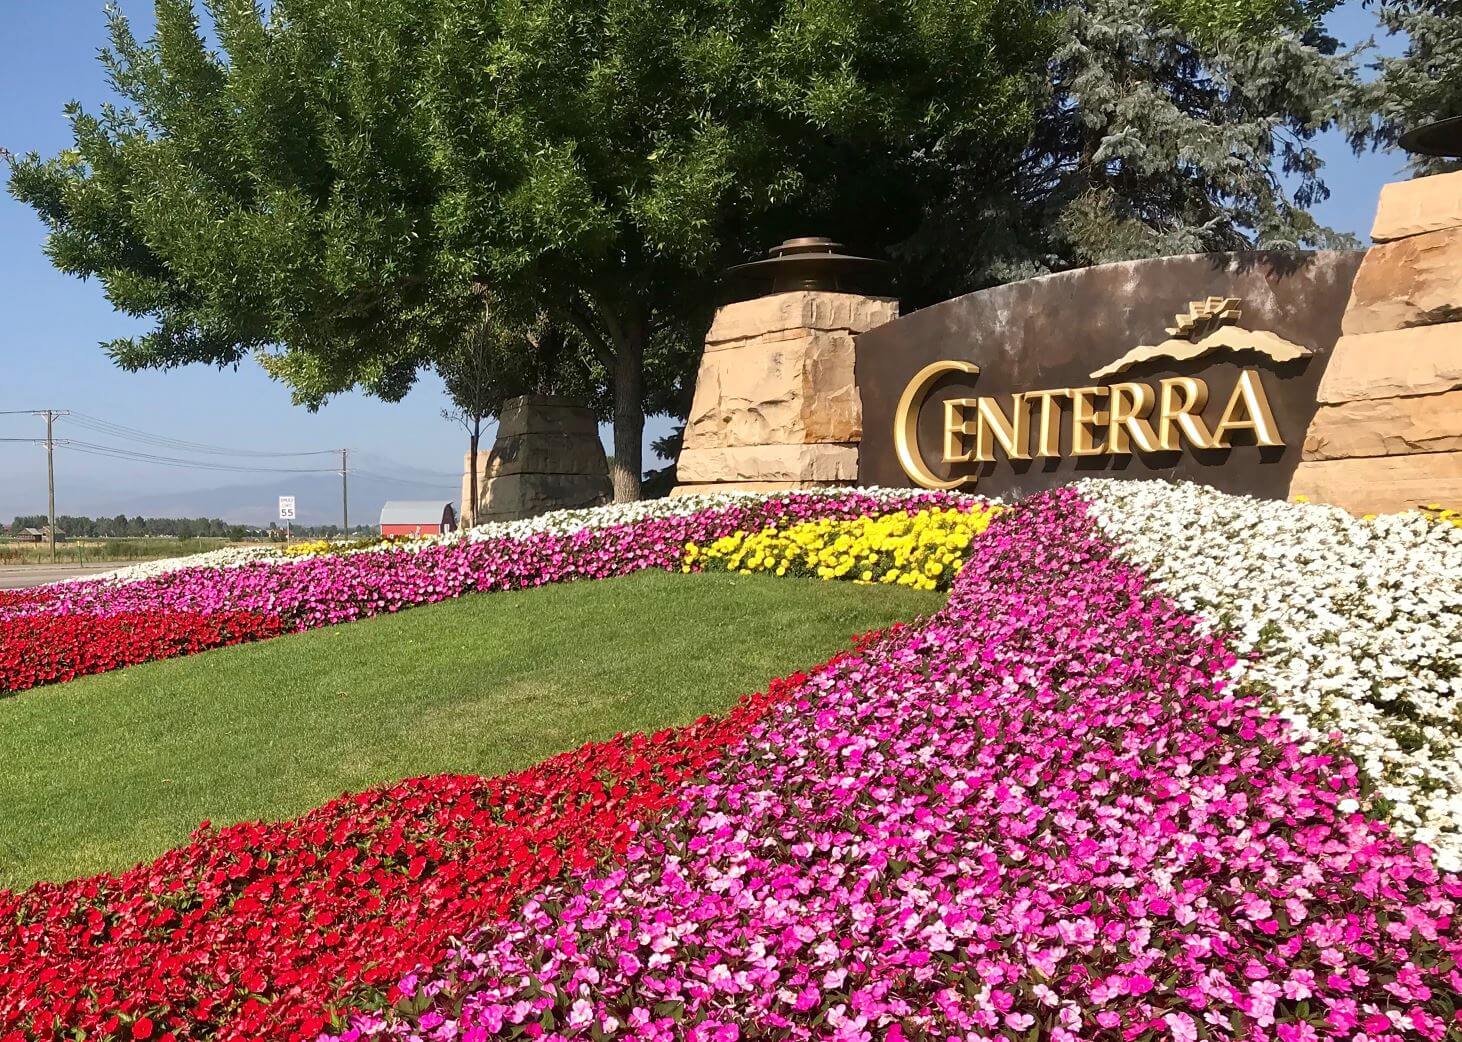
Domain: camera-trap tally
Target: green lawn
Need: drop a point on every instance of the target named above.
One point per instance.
(108, 770)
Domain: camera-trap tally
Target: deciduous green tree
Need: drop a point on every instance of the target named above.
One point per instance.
(340, 183)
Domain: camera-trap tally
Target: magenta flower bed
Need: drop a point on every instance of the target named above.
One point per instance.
(1044, 814)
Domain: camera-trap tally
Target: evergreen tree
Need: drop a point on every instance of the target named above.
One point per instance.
(1425, 82)
(1169, 127)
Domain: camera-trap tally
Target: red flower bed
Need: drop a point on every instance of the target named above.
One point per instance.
(42, 649)
(264, 930)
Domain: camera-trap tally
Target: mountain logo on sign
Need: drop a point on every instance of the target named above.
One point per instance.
(1208, 326)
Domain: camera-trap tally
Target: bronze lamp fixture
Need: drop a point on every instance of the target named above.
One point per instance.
(1442, 138)
(808, 263)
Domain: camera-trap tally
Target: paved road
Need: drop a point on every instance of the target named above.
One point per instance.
(18, 576)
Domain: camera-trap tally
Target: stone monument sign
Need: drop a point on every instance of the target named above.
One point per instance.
(1202, 367)
(1334, 375)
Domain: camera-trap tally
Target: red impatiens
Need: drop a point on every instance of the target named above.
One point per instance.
(44, 649)
(263, 930)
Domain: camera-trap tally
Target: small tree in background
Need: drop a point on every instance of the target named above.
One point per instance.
(470, 376)
(501, 359)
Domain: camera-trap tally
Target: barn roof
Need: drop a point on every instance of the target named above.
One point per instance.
(415, 511)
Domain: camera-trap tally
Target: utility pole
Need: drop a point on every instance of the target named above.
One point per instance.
(345, 492)
(51, 479)
(50, 415)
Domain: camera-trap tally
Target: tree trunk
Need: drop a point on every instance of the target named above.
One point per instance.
(629, 413)
(475, 440)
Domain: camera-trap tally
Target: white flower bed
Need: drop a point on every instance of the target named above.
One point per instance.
(1359, 623)
(227, 557)
(559, 522)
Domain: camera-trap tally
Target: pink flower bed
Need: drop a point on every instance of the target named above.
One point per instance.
(1043, 814)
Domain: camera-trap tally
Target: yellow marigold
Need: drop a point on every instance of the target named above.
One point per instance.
(1443, 515)
(923, 550)
(308, 548)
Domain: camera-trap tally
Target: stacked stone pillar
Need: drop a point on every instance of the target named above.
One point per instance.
(776, 406)
(547, 456)
(1388, 432)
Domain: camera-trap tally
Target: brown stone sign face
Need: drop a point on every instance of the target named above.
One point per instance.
(1202, 367)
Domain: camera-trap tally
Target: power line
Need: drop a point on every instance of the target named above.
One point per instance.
(136, 456)
(123, 432)
(404, 481)
(118, 430)
(146, 440)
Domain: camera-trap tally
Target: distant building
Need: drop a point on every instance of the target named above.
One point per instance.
(37, 535)
(417, 517)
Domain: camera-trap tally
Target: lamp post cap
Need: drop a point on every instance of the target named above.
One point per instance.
(1442, 138)
(809, 262)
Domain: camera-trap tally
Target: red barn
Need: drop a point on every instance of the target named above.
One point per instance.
(417, 517)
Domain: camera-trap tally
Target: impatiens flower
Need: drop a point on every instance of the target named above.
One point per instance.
(1060, 807)
(1357, 624)
(1181, 1026)
(1050, 796)
(260, 931)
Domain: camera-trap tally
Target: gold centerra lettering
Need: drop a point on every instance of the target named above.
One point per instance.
(1180, 401)
(1084, 418)
(1137, 419)
(957, 428)
(906, 423)
(1247, 410)
(1127, 420)
(1048, 428)
(1011, 432)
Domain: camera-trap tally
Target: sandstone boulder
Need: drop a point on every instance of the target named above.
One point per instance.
(1420, 360)
(792, 315)
(1386, 427)
(817, 463)
(542, 452)
(544, 414)
(513, 497)
(1382, 484)
(1412, 282)
(776, 404)
(776, 392)
(547, 456)
(1418, 206)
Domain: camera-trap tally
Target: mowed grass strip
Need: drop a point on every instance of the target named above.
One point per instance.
(105, 771)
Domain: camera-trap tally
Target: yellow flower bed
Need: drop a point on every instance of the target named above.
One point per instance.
(308, 548)
(320, 547)
(924, 550)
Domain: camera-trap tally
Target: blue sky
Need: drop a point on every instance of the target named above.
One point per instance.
(50, 324)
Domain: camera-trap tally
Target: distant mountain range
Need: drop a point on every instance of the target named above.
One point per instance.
(317, 499)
